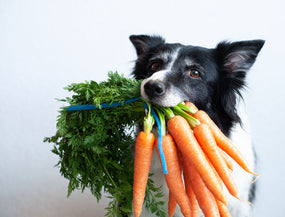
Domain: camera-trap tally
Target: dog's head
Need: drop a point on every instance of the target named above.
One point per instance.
(210, 78)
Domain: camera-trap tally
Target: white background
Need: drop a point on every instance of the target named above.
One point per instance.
(47, 44)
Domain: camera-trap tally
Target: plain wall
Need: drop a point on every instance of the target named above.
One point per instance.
(46, 45)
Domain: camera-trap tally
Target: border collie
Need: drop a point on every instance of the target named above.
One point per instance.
(210, 78)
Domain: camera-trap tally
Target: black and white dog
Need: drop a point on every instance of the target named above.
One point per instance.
(212, 80)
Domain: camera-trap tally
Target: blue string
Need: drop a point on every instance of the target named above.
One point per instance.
(160, 148)
(103, 105)
(107, 105)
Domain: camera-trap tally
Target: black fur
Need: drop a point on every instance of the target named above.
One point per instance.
(233, 60)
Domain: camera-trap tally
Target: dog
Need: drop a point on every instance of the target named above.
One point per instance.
(210, 78)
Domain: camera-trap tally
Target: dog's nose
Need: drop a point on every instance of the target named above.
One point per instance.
(154, 88)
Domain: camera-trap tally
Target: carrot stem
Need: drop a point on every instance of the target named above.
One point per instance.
(148, 120)
(162, 122)
(168, 112)
(186, 108)
(108, 174)
(191, 120)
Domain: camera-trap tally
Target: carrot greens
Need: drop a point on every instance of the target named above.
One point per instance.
(94, 146)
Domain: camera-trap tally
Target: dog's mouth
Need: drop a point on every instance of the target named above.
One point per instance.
(159, 94)
(166, 102)
(157, 90)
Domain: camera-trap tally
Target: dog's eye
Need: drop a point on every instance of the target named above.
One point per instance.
(194, 73)
(155, 66)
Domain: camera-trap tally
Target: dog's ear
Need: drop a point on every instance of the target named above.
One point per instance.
(237, 57)
(143, 43)
(234, 60)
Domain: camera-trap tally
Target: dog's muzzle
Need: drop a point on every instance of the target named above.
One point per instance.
(154, 89)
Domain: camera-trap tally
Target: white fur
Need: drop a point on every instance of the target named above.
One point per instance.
(172, 97)
(241, 138)
(160, 76)
(174, 57)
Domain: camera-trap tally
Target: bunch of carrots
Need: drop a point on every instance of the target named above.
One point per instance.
(194, 149)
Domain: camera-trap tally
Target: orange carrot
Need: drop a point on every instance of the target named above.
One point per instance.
(223, 209)
(194, 206)
(179, 128)
(173, 178)
(227, 159)
(223, 142)
(191, 106)
(204, 197)
(171, 201)
(192, 198)
(144, 149)
(171, 204)
(208, 144)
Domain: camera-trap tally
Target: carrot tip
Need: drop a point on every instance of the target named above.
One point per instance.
(137, 213)
(251, 204)
(253, 173)
(256, 178)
